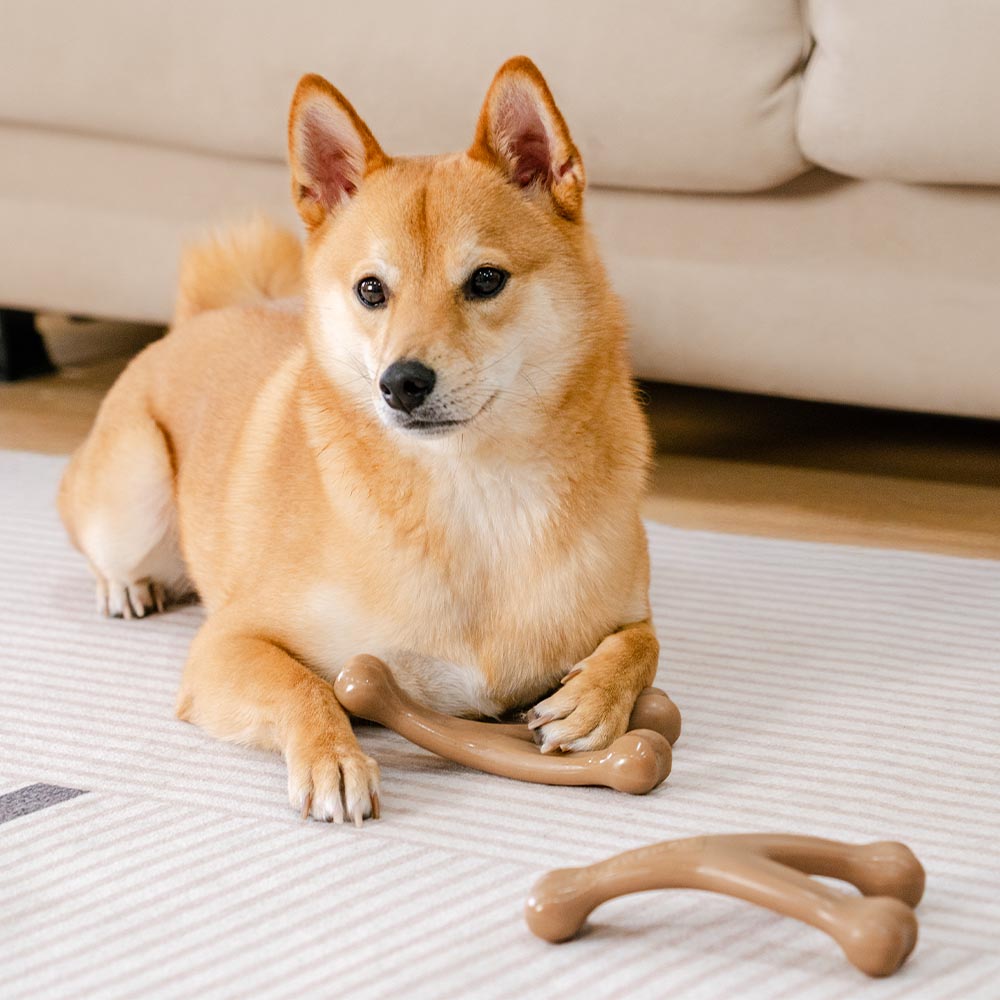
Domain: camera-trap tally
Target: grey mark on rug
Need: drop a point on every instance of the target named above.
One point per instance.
(31, 798)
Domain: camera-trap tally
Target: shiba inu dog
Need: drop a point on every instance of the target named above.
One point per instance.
(416, 437)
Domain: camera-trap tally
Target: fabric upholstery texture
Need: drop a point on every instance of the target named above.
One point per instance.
(659, 95)
(863, 292)
(146, 124)
(904, 91)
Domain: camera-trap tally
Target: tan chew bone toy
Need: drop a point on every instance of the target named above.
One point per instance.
(877, 931)
(636, 762)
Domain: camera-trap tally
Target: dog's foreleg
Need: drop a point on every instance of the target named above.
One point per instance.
(592, 707)
(244, 688)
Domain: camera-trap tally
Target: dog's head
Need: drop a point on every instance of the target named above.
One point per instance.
(449, 293)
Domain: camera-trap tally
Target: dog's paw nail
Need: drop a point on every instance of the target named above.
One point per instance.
(573, 673)
(376, 806)
(539, 721)
(307, 805)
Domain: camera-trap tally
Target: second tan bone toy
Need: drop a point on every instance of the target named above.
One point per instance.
(877, 931)
(636, 762)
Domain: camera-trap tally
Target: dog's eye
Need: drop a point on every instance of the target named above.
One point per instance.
(371, 292)
(485, 282)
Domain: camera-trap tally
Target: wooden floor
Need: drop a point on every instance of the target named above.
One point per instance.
(763, 466)
(725, 461)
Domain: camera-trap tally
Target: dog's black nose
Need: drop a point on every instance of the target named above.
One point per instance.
(406, 384)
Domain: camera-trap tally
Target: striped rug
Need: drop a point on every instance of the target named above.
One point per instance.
(843, 692)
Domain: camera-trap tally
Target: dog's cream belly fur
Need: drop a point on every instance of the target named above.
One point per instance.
(333, 627)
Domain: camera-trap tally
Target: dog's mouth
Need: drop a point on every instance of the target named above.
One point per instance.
(429, 428)
(437, 426)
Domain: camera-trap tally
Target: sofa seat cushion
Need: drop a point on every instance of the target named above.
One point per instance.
(856, 291)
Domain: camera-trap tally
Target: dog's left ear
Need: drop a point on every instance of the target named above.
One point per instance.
(521, 131)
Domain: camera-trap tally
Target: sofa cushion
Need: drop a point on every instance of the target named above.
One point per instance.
(659, 95)
(864, 292)
(903, 90)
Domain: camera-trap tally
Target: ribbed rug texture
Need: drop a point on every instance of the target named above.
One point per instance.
(843, 692)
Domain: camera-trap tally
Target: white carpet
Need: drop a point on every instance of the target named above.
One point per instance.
(842, 692)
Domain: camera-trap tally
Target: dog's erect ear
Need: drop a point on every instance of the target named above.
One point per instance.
(330, 149)
(521, 131)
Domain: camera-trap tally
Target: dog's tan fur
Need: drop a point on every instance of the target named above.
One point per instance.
(246, 456)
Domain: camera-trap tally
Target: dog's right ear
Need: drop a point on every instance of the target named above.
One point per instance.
(522, 133)
(330, 149)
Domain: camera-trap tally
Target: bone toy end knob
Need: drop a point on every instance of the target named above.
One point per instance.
(876, 933)
(559, 904)
(636, 762)
(364, 686)
(654, 710)
(888, 868)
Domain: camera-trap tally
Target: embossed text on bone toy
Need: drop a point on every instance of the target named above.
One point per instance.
(876, 931)
(636, 762)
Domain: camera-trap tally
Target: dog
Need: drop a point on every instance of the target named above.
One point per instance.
(416, 436)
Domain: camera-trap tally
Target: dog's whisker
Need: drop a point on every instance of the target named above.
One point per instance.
(503, 357)
(357, 368)
(523, 374)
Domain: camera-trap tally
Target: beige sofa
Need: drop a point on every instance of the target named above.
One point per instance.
(794, 198)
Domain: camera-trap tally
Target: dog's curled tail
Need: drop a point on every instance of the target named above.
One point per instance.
(247, 264)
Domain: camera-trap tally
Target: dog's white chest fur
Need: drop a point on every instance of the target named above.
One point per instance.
(496, 522)
(496, 506)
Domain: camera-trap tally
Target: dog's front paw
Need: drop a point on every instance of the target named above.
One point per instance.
(118, 599)
(581, 715)
(331, 778)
